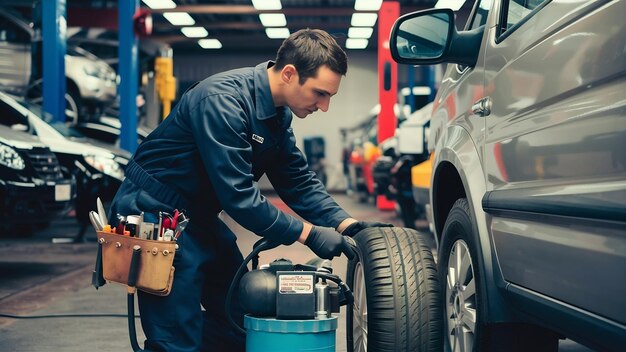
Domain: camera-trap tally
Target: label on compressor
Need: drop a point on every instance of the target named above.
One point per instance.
(295, 284)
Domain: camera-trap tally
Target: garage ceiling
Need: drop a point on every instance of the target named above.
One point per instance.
(235, 23)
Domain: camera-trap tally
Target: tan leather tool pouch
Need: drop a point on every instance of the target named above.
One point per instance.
(156, 270)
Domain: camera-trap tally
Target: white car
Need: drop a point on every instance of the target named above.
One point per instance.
(91, 84)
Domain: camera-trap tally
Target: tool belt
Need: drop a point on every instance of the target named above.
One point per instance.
(137, 263)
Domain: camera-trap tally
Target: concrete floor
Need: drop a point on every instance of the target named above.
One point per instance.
(38, 277)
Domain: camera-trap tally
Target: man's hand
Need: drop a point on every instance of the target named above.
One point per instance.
(327, 243)
(359, 226)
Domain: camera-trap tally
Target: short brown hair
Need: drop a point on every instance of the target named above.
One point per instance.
(308, 50)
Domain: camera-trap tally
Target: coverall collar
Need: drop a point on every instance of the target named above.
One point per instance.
(265, 108)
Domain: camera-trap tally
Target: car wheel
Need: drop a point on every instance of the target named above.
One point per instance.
(72, 106)
(397, 305)
(461, 274)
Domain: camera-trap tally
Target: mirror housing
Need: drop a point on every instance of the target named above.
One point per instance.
(19, 127)
(455, 47)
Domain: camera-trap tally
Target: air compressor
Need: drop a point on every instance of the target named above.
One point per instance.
(288, 306)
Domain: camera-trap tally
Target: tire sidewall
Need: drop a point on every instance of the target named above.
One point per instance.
(350, 282)
(461, 226)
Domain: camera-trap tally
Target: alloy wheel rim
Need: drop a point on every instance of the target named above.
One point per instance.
(359, 311)
(71, 109)
(460, 299)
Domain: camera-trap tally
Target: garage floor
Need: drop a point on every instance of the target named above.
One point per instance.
(38, 277)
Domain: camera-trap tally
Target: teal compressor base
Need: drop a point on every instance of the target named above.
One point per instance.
(269, 334)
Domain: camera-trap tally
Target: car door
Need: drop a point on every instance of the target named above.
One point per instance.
(555, 149)
(15, 56)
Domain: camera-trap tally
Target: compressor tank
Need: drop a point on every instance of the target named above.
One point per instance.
(270, 334)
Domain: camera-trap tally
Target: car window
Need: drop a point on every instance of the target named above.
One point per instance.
(516, 11)
(101, 51)
(12, 33)
(9, 116)
(480, 14)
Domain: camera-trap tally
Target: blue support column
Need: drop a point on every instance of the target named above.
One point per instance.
(54, 27)
(128, 68)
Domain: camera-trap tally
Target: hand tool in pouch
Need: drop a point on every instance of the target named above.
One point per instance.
(102, 214)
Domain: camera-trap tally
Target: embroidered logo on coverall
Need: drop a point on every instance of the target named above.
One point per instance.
(258, 138)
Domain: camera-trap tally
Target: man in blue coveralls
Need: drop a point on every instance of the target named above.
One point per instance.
(224, 134)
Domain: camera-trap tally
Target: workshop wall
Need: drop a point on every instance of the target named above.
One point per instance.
(356, 97)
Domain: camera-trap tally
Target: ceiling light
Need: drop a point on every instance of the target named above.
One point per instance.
(352, 43)
(367, 5)
(160, 4)
(267, 4)
(277, 33)
(363, 19)
(273, 19)
(455, 5)
(360, 32)
(210, 43)
(194, 32)
(179, 18)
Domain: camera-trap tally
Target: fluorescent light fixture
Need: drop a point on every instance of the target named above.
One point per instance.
(160, 4)
(353, 43)
(363, 19)
(194, 32)
(179, 18)
(277, 33)
(417, 90)
(210, 43)
(360, 32)
(455, 5)
(273, 19)
(367, 5)
(267, 4)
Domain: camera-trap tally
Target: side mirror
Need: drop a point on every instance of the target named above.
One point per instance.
(19, 127)
(424, 35)
(430, 37)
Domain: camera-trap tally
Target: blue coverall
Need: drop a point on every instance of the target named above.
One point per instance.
(224, 134)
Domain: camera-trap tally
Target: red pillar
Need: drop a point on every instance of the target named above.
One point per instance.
(387, 81)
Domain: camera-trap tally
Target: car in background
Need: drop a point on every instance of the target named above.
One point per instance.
(365, 152)
(91, 85)
(528, 186)
(400, 153)
(98, 171)
(34, 188)
(90, 82)
(107, 130)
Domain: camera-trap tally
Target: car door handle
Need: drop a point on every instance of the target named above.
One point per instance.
(482, 107)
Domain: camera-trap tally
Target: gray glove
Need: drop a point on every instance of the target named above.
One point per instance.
(359, 226)
(327, 243)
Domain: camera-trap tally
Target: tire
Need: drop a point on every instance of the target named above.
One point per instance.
(73, 105)
(461, 276)
(397, 305)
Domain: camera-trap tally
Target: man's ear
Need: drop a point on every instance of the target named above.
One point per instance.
(289, 74)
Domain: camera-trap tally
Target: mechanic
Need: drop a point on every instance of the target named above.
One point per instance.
(224, 134)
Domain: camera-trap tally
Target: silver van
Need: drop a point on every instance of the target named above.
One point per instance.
(90, 82)
(528, 189)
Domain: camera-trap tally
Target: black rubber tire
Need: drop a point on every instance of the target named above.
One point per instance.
(73, 105)
(459, 235)
(401, 289)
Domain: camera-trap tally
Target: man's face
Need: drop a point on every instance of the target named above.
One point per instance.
(314, 94)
